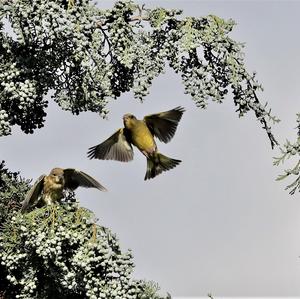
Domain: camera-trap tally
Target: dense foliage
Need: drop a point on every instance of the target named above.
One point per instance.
(60, 252)
(12, 191)
(88, 55)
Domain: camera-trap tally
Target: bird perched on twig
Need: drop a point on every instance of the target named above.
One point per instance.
(141, 133)
(48, 189)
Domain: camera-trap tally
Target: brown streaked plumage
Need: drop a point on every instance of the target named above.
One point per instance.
(48, 189)
(141, 134)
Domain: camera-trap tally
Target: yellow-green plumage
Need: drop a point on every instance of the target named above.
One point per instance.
(141, 134)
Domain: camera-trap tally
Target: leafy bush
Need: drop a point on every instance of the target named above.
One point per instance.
(12, 192)
(60, 252)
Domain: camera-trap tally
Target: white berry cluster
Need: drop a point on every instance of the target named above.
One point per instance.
(4, 123)
(59, 251)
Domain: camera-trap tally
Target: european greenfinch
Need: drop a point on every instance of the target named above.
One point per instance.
(141, 133)
(48, 189)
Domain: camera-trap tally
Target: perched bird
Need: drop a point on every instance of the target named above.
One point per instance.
(141, 133)
(48, 189)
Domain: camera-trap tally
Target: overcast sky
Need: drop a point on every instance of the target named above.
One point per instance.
(218, 222)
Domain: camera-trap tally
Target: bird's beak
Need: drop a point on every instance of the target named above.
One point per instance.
(125, 119)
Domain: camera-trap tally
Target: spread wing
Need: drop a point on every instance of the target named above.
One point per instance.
(33, 194)
(163, 125)
(75, 178)
(116, 147)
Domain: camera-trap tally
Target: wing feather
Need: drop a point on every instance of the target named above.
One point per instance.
(116, 147)
(163, 125)
(33, 194)
(75, 178)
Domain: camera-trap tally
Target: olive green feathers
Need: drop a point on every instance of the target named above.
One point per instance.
(141, 133)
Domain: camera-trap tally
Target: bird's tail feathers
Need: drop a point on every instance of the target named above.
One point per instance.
(157, 163)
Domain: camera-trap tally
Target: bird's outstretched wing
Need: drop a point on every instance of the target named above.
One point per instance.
(116, 147)
(75, 178)
(33, 194)
(163, 125)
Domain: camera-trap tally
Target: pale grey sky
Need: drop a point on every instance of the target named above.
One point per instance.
(218, 222)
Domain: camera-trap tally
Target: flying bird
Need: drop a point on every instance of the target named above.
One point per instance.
(141, 134)
(48, 189)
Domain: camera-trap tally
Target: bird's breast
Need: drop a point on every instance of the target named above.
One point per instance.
(52, 191)
(142, 138)
(50, 185)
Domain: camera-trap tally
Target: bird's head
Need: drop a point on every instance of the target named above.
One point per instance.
(128, 119)
(57, 175)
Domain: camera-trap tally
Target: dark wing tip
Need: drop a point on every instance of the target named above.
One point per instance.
(116, 147)
(180, 109)
(92, 152)
(85, 180)
(102, 188)
(96, 184)
(97, 152)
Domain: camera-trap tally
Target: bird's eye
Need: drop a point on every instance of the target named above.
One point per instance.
(131, 116)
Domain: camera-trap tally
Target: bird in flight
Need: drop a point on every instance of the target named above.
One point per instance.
(48, 189)
(141, 134)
